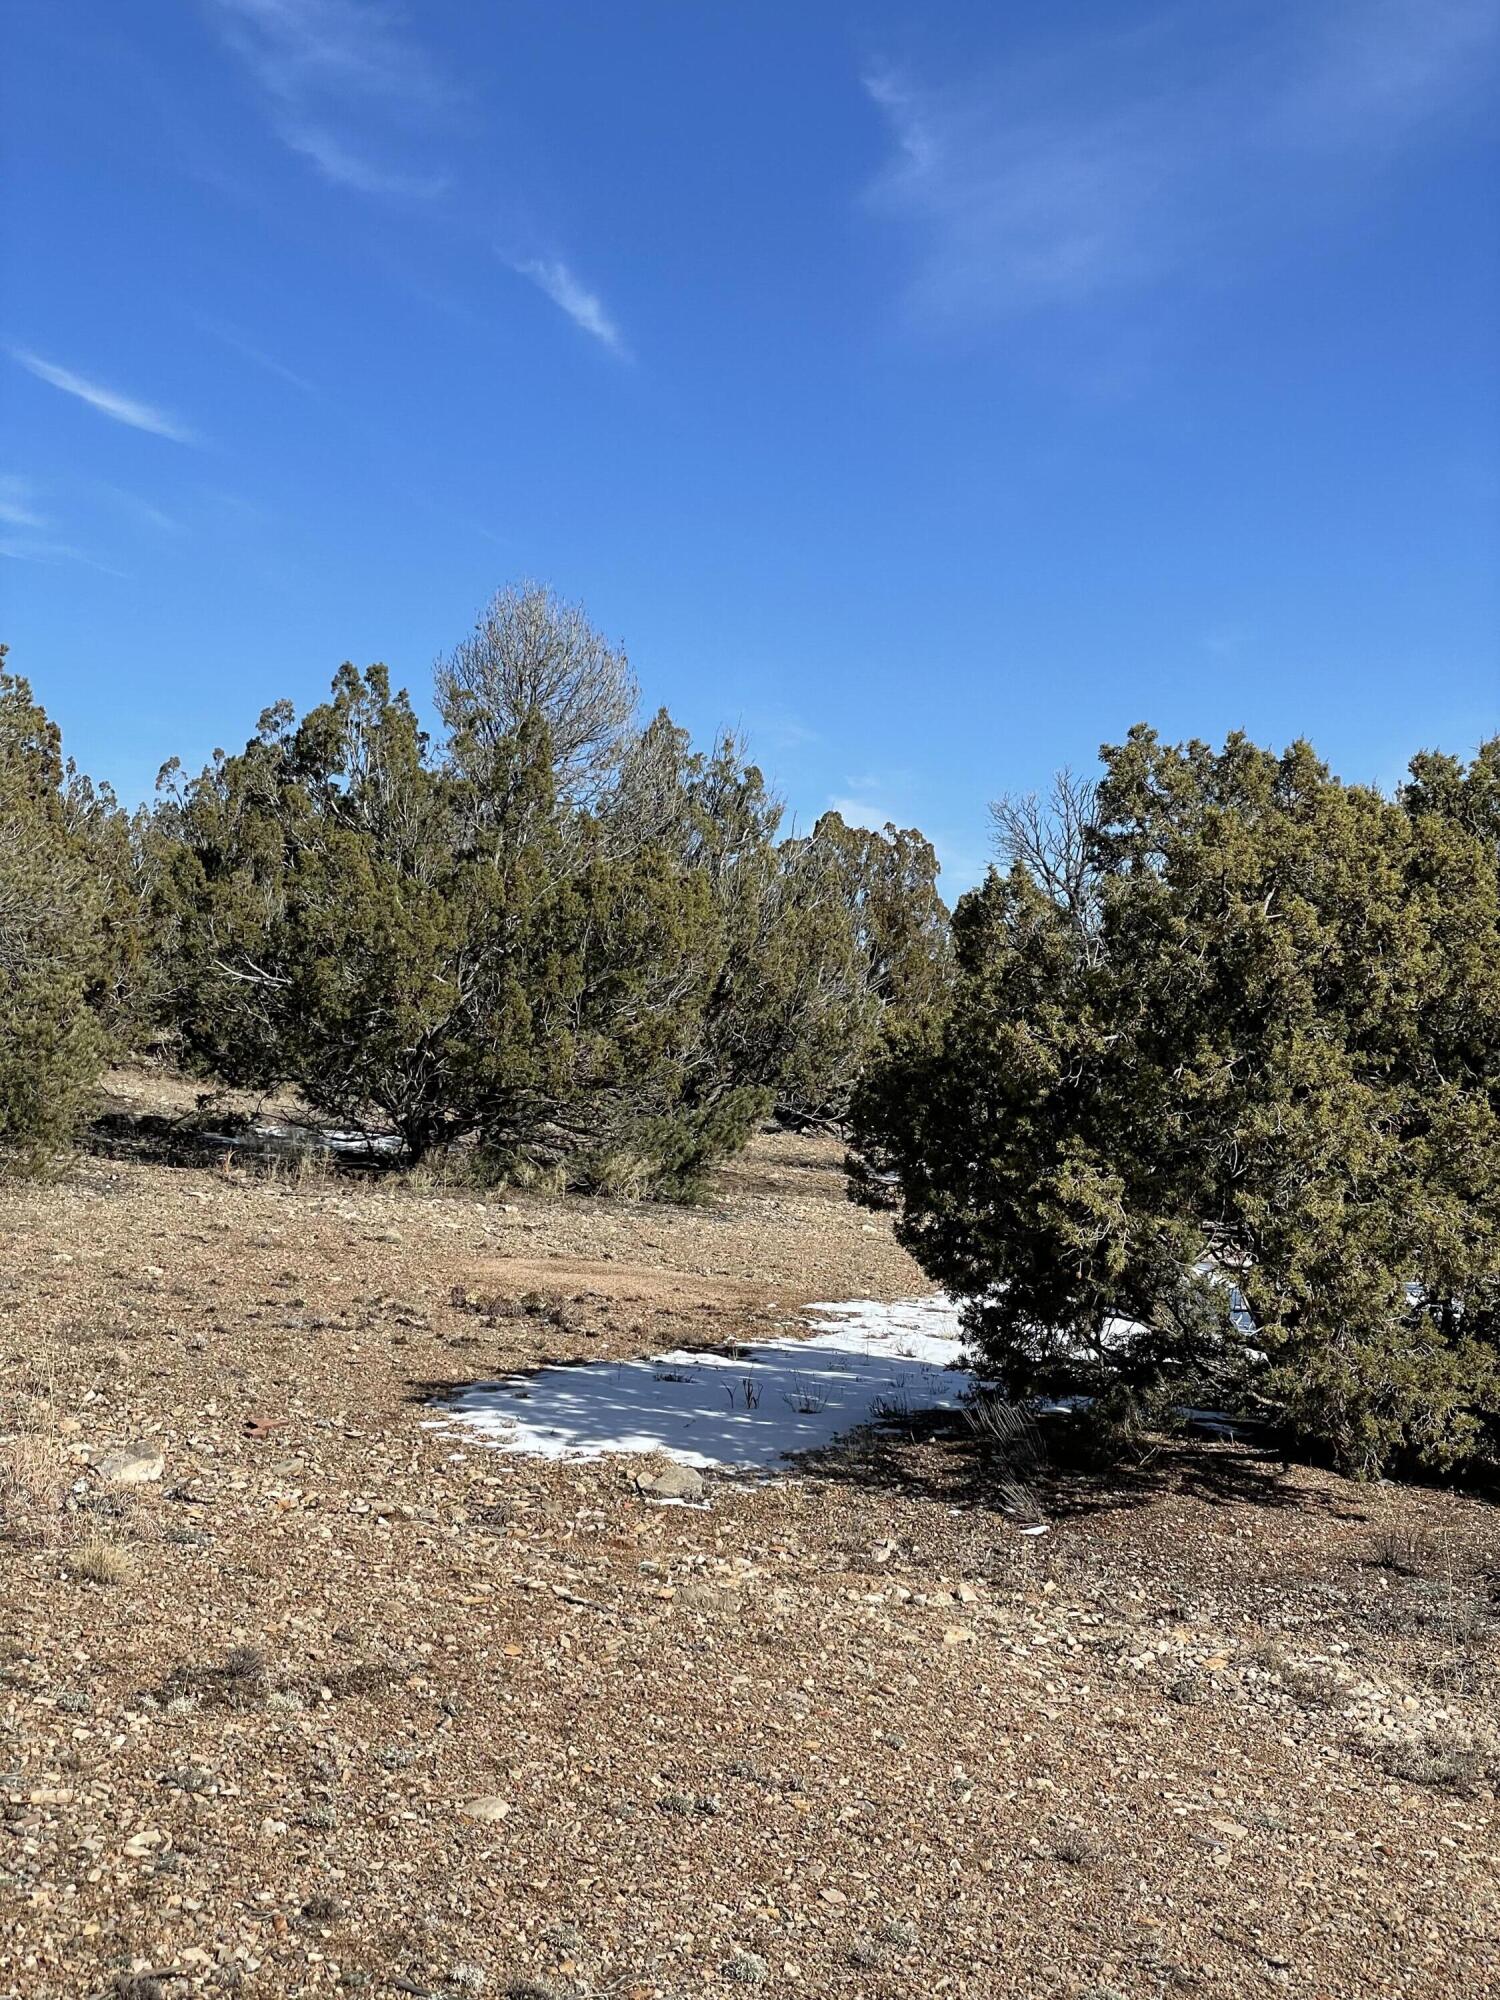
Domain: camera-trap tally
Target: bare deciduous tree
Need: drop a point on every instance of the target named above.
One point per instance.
(532, 654)
(1050, 838)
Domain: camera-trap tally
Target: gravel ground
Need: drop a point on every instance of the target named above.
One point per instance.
(302, 1694)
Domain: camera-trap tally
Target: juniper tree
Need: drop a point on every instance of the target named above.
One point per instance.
(60, 947)
(1249, 1038)
(356, 919)
(574, 941)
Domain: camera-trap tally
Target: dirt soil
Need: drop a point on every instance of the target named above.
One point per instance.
(339, 1701)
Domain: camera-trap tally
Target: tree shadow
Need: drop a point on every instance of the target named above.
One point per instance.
(936, 1456)
(194, 1139)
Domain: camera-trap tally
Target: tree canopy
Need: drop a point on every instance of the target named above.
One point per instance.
(592, 950)
(1216, 1110)
(67, 942)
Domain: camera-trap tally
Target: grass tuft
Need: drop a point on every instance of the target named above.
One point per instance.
(97, 1560)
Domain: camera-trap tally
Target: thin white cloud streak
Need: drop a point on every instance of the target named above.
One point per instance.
(1387, 69)
(301, 48)
(1180, 143)
(336, 162)
(17, 508)
(142, 512)
(108, 402)
(568, 292)
(320, 62)
(30, 550)
(257, 356)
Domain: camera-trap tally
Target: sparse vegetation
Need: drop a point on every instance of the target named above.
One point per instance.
(99, 1560)
(1444, 1759)
(851, 1687)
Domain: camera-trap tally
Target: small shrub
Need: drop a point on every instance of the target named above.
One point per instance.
(1263, 1653)
(1313, 1685)
(1432, 1607)
(617, 1173)
(1075, 1846)
(239, 1683)
(747, 1968)
(31, 1486)
(1445, 1760)
(96, 1560)
(1010, 1446)
(1403, 1551)
(898, 1930)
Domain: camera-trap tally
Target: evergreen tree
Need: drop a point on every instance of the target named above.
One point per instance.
(1247, 1046)
(61, 933)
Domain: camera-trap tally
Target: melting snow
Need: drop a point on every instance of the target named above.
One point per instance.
(747, 1410)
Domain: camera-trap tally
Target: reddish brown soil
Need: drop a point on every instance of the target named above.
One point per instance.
(1226, 1730)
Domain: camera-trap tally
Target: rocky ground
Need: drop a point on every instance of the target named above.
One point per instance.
(303, 1693)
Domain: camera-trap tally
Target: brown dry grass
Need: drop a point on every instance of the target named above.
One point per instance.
(96, 1559)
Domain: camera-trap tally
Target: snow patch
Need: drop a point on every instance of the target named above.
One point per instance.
(748, 1410)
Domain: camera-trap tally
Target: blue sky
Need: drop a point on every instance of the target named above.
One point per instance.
(931, 392)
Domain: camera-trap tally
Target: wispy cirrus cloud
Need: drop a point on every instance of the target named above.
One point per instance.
(1100, 166)
(336, 162)
(17, 548)
(322, 65)
(568, 292)
(140, 513)
(233, 339)
(108, 402)
(18, 507)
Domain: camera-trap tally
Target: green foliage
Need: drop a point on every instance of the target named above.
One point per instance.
(614, 978)
(583, 948)
(58, 946)
(1248, 1038)
(365, 924)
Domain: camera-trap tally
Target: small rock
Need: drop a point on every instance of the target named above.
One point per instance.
(674, 1482)
(491, 1807)
(131, 1465)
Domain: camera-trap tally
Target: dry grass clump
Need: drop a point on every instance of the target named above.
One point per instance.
(1010, 1445)
(33, 1480)
(1075, 1846)
(241, 1682)
(99, 1560)
(1404, 1551)
(1444, 1758)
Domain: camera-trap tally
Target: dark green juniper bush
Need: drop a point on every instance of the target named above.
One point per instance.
(1223, 1029)
(68, 931)
(578, 944)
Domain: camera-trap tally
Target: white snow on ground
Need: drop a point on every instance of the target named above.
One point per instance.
(748, 1410)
